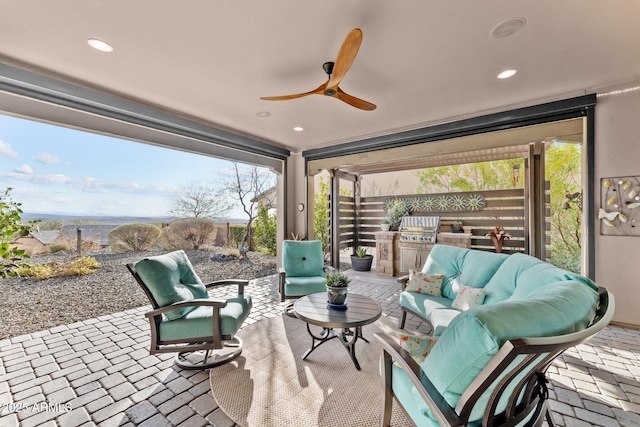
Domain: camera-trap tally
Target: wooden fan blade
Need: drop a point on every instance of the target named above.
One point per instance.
(355, 102)
(346, 56)
(318, 91)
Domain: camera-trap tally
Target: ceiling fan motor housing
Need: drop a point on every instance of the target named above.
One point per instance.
(328, 67)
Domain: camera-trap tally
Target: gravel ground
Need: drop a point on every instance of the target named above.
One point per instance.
(29, 305)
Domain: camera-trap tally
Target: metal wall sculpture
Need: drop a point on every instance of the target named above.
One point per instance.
(619, 213)
(443, 203)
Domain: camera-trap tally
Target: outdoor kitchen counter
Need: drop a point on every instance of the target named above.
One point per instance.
(462, 240)
(388, 250)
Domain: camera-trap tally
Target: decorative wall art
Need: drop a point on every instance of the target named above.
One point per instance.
(619, 213)
(444, 203)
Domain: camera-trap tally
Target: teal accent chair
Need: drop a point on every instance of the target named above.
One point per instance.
(183, 319)
(302, 271)
(479, 373)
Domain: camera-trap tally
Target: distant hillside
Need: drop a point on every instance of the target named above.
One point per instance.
(97, 219)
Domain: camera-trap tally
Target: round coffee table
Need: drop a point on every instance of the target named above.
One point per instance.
(314, 310)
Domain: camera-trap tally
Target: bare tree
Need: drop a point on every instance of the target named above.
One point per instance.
(244, 187)
(198, 201)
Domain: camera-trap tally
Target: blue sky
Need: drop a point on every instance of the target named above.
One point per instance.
(54, 169)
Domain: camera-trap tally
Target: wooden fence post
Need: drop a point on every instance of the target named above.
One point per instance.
(79, 241)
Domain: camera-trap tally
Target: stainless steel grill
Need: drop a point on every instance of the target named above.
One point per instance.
(419, 229)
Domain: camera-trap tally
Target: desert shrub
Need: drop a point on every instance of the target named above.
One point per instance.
(78, 267)
(37, 271)
(83, 265)
(57, 247)
(189, 233)
(264, 232)
(232, 252)
(11, 228)
(134, 237)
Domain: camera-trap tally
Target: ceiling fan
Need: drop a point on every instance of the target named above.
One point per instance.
(336, 72)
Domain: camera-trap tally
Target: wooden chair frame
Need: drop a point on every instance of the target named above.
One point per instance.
(532, 357)
(209, 344)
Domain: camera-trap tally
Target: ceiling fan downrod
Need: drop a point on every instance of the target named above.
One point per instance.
(328, 68)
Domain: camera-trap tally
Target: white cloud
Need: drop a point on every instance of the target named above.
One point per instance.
(7, 151)
(55, 179)
(85, 184)
(48, 159)
(24, 168)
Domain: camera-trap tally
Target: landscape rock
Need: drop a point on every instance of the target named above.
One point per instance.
(30, 305)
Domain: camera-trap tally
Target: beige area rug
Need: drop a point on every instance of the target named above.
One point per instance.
(269, 385)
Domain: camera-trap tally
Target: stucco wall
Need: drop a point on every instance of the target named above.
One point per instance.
(617, 153)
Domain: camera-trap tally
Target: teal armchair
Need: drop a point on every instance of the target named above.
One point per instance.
(302, 271)
(504, 387)
(183, 319)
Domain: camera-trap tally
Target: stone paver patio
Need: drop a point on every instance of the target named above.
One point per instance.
(99, 372)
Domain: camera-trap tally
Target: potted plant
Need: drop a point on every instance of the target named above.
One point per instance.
(336, 283)
(395, 211)
(456, 226)
(498, 235)
(385, 225)
(361, 260)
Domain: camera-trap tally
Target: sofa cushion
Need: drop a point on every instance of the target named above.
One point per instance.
(425, 283)
(475, 336)
(521, 274)
(441, 318)
(423, 304)
(418, 346)
(468, 297)
(170, 278)
(468, 266)
(404, 391)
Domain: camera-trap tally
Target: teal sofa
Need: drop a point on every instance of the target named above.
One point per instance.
(502, 277)
(485, 365)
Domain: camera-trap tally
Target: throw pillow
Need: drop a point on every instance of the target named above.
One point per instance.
(418, 347)
(425, 283)
(468, 297)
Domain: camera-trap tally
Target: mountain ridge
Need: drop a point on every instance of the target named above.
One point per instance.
(112, 219)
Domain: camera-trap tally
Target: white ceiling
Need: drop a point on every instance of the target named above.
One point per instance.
(421, 62)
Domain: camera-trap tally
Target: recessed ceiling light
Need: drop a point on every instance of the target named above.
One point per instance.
(100, 45)
(298, 128)
(508, 28)
(263, 114)
(507, 73)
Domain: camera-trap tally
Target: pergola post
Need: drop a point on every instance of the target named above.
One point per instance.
(334, 235)
(537, 205)
(356, 211)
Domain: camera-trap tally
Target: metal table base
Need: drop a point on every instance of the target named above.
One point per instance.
(347, 338)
